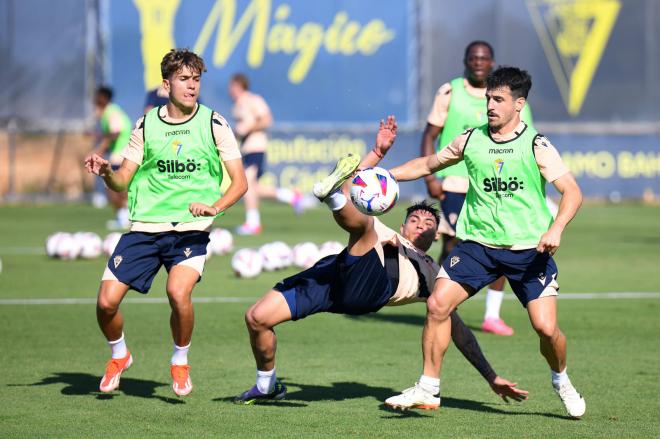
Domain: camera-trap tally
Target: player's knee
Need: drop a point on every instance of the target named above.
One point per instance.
(106, 305)
(437, 308)
(547, 330)
(179, 297)
(255, 319)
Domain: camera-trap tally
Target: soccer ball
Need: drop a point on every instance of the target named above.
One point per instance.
(246, 263)
(284, 254)
(269, 259)
(374, 191)
(90, 243)
(110, 242)
(67, 248)
(51, 244)
(305, 254)
(222, 241)
(330, 248)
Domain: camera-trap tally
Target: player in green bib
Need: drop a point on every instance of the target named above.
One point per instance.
(115, 132)
(172, 171)
(506, 230)
(459, 105)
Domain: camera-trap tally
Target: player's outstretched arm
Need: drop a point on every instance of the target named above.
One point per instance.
(384, 140)
(467, 343)
(115, 180)
(571, 200)
(235, 191)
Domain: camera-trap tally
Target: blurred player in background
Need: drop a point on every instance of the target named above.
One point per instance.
(252, 118)
(171, 168)
(379, 267)
(115, 132)
(506, 230)
(461, 104)
(156, 97)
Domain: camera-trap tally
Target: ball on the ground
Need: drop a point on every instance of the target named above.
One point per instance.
(283, 254)
(110, 242)
(374, 191)
(269, 259)
(51, 244)
(90, 243)
(330, 248)
(221, 241)
(68, 247)
(246, 263)
(305, 254)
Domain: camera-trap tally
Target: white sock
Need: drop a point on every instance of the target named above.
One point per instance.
(285, 195)
(118, 347)
(431, 385)
(266, 380)
(336, 201)
(559, 378)
(180, 355)
(493, 303)
(252, 217)
(122, 216)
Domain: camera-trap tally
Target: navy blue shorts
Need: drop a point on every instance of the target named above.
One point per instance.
(451, 207)
(529, 272)
(138, 256)
(255, 159)
(341, 284)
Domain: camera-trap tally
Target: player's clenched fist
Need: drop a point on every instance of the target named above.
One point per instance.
(97, 165)
(201, 209)
(549, 242)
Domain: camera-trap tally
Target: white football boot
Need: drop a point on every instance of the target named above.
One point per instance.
(573, 401)
(414, 398)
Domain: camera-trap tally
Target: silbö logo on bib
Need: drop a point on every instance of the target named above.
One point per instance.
(502, 187)
(178, 169)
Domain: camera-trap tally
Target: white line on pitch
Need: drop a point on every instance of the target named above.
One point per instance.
(158, 300)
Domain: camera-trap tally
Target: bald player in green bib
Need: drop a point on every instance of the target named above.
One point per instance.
(459, 105)
(506, 229)
(172, 170)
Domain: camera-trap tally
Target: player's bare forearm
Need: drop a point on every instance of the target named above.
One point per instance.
(467, 343)
(119, 180)
(237, 187)
(571, 199)
(429, 139)
(416, 168)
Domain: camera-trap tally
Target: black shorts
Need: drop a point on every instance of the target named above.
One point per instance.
(138, 255)
(451, 206)
(255, 159)
(341, 285)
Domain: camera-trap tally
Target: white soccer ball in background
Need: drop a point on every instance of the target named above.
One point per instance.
(222, 241)
(374, 191)
(330, 248)
(209, 251)
(52, 242)
(110, 242)
(284, 254)
(305, 254)
(68, 247)
(246, 263)
(90, 243)
(269, 259)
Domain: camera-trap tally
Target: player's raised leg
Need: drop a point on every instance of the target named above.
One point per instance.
(180, 283)
(543, 316)
(260, 319)
(425, 394)
(111, 323)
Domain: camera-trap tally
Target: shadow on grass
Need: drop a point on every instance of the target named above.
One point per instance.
(466, 404)
(405, 319)
(77, 384)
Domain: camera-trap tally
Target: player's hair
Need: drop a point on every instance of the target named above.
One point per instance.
(426, 207)
(479, 43)
(105, 91)
(242, 79)
(518, 81)
(175, 59)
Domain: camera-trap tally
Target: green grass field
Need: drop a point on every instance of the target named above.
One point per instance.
(338, 369)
